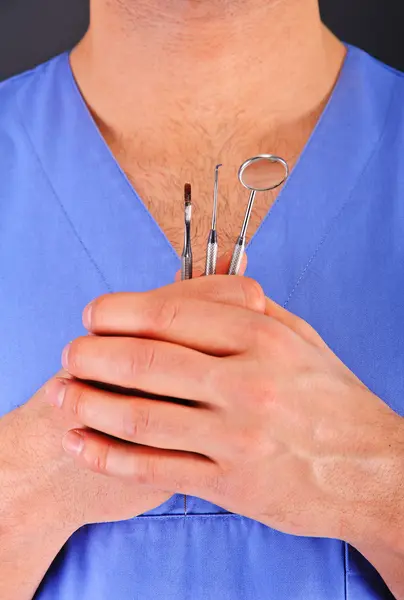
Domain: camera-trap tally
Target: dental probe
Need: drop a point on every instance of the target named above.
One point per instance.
(211, 252)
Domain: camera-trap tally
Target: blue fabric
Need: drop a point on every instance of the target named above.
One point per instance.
(331, 250)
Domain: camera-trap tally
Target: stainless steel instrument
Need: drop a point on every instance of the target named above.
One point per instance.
(261, 173)
(211, 251)
(186, 258)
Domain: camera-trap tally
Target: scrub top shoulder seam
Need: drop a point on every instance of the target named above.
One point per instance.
(388, 68)
(16, 79)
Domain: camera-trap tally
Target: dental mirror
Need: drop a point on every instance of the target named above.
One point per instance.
(261, 173)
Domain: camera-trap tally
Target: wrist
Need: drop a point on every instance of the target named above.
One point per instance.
(377, 517)
(29, 542)
(34, 510)
(33, 478)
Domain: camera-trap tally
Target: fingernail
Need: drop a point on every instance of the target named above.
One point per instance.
(65, 356)
(56, 392)
(87, 315)
(73, 442)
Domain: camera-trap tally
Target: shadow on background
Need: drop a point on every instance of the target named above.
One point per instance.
(32, 31)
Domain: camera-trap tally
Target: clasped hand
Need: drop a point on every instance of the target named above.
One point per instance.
(276, 428)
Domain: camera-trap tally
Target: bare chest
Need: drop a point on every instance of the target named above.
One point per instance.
(164, 200)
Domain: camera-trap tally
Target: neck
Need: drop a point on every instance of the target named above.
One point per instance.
(214, 75)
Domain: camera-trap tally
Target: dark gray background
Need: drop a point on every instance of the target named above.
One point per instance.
(32, 31)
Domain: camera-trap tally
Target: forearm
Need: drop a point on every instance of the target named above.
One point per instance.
(381, 524)
(26, 554)
(390, 566)
(389, 562)
(33, 523)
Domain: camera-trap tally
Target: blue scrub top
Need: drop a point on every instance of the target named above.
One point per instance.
(331, 250)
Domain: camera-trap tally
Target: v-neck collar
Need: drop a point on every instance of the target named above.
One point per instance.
(126, 243)
(323, 182)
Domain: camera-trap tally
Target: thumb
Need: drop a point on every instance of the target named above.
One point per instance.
(294, 323)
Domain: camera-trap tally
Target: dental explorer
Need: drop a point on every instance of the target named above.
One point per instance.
(211, 252)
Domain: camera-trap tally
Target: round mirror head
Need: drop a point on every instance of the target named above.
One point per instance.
(263, 173)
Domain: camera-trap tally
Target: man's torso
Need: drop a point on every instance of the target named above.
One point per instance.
(331, 250)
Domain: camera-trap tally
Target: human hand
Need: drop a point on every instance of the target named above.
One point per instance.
(40, 476)
(37, 476)
(276, 428)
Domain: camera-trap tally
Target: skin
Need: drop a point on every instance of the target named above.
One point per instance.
(279, 429)
(191, 111)
(207, 113)
(302, 419)
(38, 480)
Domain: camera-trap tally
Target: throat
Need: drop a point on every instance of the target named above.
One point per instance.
(174, 136)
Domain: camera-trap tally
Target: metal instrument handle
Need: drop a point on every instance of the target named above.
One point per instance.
(211, 253)
(186, 268)
(237, 257)
(211, 259)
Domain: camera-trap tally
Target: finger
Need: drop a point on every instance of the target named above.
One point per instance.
(126, 312)
(151, 366)
(134, 419)
(295, 323)
(228, 290)
(41, 398)
(213, 328)
(222, 266)
(161, 469)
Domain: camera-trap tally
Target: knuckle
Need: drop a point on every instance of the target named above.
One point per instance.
(98, 463)
(308, 333)
(260, 331)
(141, 358)
(273, 334)
(149, 358)
(75, 397)
(256, 390)
(254, 296)
(250, 442)
(163, 313)
(264, 393)
(145, 471)
(137, 422)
